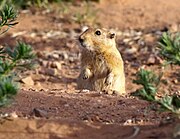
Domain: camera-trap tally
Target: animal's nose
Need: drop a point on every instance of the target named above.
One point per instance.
(80, 39)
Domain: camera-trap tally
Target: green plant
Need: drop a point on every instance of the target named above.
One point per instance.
(12, 61)
(8, 88)
(16, 59)
(7, 18)
(150, 82)
(169, 46)
(171, 103)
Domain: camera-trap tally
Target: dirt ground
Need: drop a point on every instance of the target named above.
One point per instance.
(48, 104)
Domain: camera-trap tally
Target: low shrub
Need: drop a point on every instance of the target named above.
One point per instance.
(12, 61)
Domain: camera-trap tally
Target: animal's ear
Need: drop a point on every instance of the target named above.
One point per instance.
(112, 35)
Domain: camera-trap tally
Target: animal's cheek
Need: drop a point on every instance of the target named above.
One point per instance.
(97, 43)
(87, 41)
(108, 43)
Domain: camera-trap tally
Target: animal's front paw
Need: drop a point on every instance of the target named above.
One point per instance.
(109, 80)
(109, 92)
(85, 76)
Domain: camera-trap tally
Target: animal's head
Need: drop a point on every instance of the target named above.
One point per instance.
(97, 39)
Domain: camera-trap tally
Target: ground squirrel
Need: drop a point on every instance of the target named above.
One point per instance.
(102, 67)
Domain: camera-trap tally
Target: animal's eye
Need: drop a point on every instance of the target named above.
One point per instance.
(98, 32)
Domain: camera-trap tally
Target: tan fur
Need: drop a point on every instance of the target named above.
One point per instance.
(102, 67)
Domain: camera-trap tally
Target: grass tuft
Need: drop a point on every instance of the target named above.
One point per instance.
(7, 18)
(149, 82)
(169, 46)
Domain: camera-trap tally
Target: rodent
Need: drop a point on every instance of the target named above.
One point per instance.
(102, 67)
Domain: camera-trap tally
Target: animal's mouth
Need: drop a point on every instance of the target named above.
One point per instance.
(80, 40)
(83, 44)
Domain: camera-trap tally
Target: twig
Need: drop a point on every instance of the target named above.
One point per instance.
(135, 133)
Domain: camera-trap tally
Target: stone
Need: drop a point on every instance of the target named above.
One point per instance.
(128, 122)
(39, 113)
(141, 42)
(63, 55)
(159, 60)
(28, 81)
(56, 65)
(131, 50)
(55, 56)
(33, 35)
(127, 40)
(84, 91)
(137, 38)
(151, 60)
(175, 81)
(139, 33)
(149, 38)
(40, 54)
(174, 28)
(38, 85)
(14, 115)
(44, 63)
(16, 34)
(51, 72)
